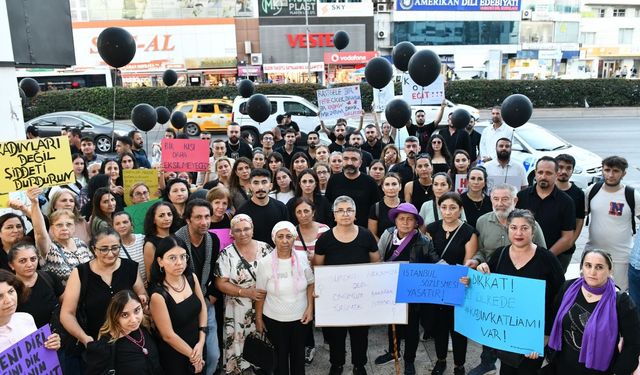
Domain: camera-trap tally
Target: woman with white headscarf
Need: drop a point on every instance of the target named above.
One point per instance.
(288, 305)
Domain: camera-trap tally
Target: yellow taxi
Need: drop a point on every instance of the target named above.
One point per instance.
(206, 115)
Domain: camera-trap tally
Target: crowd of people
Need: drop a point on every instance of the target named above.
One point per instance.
(173, 300)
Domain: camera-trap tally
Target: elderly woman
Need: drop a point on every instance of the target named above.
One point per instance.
(330, 250)
(65, 199)
(591, 318)
(401, 243)
(11, 232)
(288, 305)
(323, 170)
(236, 277)
(139, 193)
(523, 258)
(220, 200)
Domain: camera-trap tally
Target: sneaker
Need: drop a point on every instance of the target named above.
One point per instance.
(439, 368)
(385, 358)
(450, 345)
(458, 370)
(359, 370)
(309, 353)
(409, 368)
(483, 369)
(336, 370)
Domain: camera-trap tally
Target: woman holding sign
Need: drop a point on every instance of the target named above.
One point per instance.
(523, 258)
(591, 318)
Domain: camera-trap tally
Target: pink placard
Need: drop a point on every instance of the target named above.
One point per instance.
(224, 235)
(185, 155)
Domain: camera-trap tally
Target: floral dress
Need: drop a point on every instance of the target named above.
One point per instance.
(239, 312)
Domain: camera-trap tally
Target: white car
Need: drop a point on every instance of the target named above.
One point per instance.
(302, 111)
(431, 110)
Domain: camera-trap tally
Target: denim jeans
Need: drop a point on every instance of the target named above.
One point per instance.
(211, 340)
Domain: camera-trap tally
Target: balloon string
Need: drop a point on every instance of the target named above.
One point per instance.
(507, 170)
(113, 118)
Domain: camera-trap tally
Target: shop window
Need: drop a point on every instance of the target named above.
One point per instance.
(186, 108)
(588, 38)
(457, 32)
(225, 108)
(621, 12)
(601, 12)
(298, 109)
(243, 108)
(206, 108)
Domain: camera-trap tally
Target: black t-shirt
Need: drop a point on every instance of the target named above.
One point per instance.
(264, 217)
(198, 256)
(375, 150)
(363, 190)
(222, 224)
(354, 252)
(473, 210)
(440, 167)
(577, 195)
(367, 158)
(423, 133)
(474, 139)
(333, 147)
(420, 194)
(404, 170)
(238, 150)
(286, 156)
(43, 298)
(459, 140)
(456, 251)
(380, 212)
(322, 214)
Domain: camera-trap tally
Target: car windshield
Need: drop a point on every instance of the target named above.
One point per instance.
(541, 139)
(94, 119)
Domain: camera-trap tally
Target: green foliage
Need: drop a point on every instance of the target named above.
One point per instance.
(477, 93)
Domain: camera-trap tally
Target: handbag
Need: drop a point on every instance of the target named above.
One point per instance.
(259, 351)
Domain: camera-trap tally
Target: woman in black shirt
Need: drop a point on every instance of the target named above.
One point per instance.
(379, 211)
(475, 200)
(455, 242)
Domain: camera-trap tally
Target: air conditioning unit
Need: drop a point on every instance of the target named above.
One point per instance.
(256, 59)
(382, 34)
(526, 14)
(382, 8)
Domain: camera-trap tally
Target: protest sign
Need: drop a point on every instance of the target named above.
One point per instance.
(29, 356)
(497, 180)
(185, 155)
(40, 162)
(358, 295)
(224, 236)
(148, 177)
(382, 97)
(503, 312)
(431, 283)
(4, 200)
(415, 94)
(138, 212)
(462, 183)
(340, 102)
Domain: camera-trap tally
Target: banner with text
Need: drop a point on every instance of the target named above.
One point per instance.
(459, 5)
(224, 236)
(415, 94)
(358, 295)
(29, 356)
(503, 312)
(382, 97)
(431, 283)
(185, 155)
(340, 102)
(462, 183)
(148, 177)
(40, 162)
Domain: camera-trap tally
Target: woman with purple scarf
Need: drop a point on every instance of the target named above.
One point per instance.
(591, 319)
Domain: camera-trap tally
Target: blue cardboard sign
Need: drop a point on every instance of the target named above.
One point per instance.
(431, 283)
(503, 312)
(459, 5)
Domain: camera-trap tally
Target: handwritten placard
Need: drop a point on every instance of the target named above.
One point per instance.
(462, 183)
(340, 102)
(358, 295)
(185, 155)
(29, 356)
(431, 283)
(415, 94)
(40, 162)
(382, 97)
(224, 236)
(503, 312)
(138, 212)
(131, 177)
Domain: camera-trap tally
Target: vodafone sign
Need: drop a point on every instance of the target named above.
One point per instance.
(349, 58)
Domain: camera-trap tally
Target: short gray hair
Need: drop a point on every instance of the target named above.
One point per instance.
(343, 199)
(510, 188)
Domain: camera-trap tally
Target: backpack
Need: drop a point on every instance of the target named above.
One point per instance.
(628, 196)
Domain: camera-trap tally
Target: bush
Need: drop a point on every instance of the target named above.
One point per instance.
(477, 93)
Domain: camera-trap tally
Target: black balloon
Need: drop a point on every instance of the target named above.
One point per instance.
(378, 72)
(116, 46)
(246, 88)
(401, 53)
(460, 118)
(259, 108)
(23, 97)
(169, 77)
(341, 39)
(398, 113)
(178, 120)
(144, 117)
(424, 67)
(516, 110)
(30, 87)
(163, 114)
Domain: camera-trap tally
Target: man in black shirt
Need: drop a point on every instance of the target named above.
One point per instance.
(422, 131)
(235, 147)
(203, 249)
(352, 183)
(552, 208)
(566, 164)
(355, 141)
(137, 148)
(75, 143)
(406, 168)
(474, 139)
(373, 145)
(340, 132)
(313, 140)
(455, 139)
(265, 211)
(289, 147)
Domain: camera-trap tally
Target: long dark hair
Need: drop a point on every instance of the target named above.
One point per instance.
(157, 276)
(96, 182)
(292, 183)
(167, 189)
(12, 280)
(96, 212)
(103, 168)
(111, 326)
(312, 173)
(149, 218)
(444, 150)
(85, 172)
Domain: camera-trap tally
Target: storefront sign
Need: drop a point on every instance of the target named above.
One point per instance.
(459, 5)
(346, 9)
(290, 68)
(549, 55)
(287, 8)
(415, 94)
(249, 70)
(349, 58)
(211, 62)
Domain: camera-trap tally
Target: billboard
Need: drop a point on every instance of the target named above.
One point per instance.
(287, 8)
(458, 5)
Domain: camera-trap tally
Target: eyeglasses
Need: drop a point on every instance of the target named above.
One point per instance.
(141, 194)
(347, 212)
(104, 250)
(174, 258)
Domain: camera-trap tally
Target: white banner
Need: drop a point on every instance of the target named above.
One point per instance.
(358, 295)
(340, 102)
(462, 183)
(382, 97)
(415, 94)
(290, 68)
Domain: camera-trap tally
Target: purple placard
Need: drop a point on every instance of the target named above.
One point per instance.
(224, 235)
(29, 356)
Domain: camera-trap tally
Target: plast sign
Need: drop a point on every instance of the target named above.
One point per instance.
(349, 58)
(459, 5)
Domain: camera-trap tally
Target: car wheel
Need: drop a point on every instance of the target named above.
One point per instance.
(192, 129)
(103, 144)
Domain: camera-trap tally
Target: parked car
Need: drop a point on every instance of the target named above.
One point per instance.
(95, 126)
(206, 115)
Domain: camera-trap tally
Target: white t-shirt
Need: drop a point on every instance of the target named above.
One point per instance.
(289, 301)
(490, 137)
(136, 254)
(610, 223)
(512, 174)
